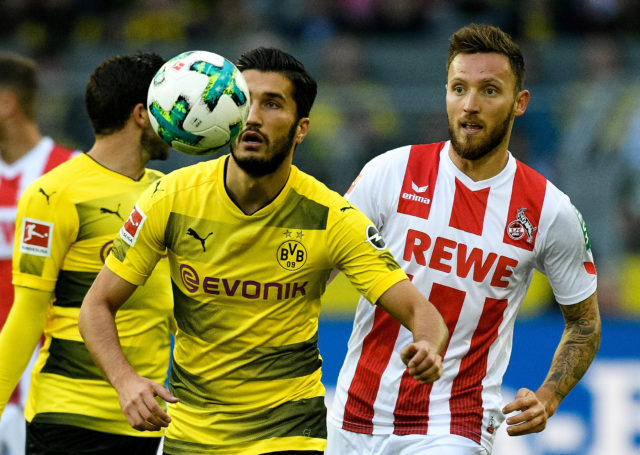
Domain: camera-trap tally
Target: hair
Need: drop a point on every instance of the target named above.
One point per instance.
(488, 39)
(265, 59)
(20, 75)
(116, 86)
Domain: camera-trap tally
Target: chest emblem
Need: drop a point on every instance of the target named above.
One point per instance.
(291, 255)
(521, 227)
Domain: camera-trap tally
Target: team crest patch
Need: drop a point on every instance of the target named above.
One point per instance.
(521, 227)
(36, 237)
(374, 238)
(129, 232)
(292, 255)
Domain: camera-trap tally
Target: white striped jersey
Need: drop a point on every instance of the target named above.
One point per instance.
(471, 248)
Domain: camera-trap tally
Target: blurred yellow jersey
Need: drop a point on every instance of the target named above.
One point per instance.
(247, 288)
(65, 227)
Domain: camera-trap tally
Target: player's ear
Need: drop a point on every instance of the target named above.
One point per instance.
(140, 115)
(301, 130)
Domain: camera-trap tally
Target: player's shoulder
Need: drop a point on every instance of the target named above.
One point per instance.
(191, 176)
(64, 175)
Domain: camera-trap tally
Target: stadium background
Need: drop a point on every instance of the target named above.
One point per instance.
(380, 65)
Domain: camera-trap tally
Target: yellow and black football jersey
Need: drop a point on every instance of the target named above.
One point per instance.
(247, 288)
(65, 226)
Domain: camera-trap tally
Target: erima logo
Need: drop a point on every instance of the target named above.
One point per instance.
(415, 197)
(374, 238)
(418, 189)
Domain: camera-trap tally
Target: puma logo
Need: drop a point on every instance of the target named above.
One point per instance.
(196, 236)
(344, 209)
(46, 195)
(115, 212)
(156, 189)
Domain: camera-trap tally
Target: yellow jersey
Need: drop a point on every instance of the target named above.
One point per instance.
(66, 223)
(247, 288)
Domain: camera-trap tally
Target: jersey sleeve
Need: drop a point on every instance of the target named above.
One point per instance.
(359, 251)
(140, 243)
(567, 260)
(364, 192)
(46, 224)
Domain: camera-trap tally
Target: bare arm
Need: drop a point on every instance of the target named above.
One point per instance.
(98, 328)
(575, 352)
(20, 336)
(430, 334)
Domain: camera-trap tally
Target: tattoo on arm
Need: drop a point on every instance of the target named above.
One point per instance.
(577, 348)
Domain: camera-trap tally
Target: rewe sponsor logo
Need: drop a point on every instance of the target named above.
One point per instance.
(248, 289)
(449, 256)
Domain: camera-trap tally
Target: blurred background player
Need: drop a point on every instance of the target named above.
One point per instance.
(65, 226)
(25, 154)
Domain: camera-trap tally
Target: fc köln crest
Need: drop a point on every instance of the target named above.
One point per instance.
(521, 227)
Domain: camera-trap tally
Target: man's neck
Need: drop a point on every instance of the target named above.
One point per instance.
(119, 154)
(15, 146)
(251, 193)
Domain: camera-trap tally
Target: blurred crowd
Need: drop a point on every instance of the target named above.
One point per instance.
(380, 65)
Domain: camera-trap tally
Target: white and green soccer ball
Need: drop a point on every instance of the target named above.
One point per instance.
(199, 102)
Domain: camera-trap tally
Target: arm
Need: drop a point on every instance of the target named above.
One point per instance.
(98, 328)
(577, 348)
(20, 336)
(430, 334)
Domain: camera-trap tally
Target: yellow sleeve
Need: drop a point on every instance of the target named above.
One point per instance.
(360, 253)
(20, 336)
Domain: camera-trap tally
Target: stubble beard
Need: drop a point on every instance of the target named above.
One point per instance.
(471, 148)
(261, 166)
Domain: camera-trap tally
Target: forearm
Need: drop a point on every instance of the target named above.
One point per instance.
(20, 336)
(575, 352)
(98, 328)
(421, 318)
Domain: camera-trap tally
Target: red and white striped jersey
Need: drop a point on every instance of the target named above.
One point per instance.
(14, 179)
(471, 248)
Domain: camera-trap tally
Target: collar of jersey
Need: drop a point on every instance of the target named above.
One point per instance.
(264, 211)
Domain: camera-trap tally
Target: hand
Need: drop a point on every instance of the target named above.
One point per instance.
(423, 361)
(532, 419)
(137, 400)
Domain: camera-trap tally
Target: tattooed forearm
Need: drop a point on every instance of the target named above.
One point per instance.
(577, 348)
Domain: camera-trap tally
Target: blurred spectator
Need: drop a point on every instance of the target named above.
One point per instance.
(596, 118)
(353, 117)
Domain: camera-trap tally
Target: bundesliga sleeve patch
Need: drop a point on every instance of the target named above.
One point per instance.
(374, 238)
(36, 237)
(129, 232)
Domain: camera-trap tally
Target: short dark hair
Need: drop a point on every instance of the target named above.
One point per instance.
(266, 59)
(116, 86)
(20, 75)
(481, 38)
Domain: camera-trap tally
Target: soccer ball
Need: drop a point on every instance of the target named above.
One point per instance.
(199, 102)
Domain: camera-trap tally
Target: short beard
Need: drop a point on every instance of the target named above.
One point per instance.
(470, 151)
(153, 144)
(259, 167)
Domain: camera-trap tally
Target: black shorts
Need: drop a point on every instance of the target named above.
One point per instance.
(55, 439)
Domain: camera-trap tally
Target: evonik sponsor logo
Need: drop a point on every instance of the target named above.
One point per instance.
(248, 289)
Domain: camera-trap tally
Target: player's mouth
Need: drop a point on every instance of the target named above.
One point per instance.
(252, 139)
(471, 128)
